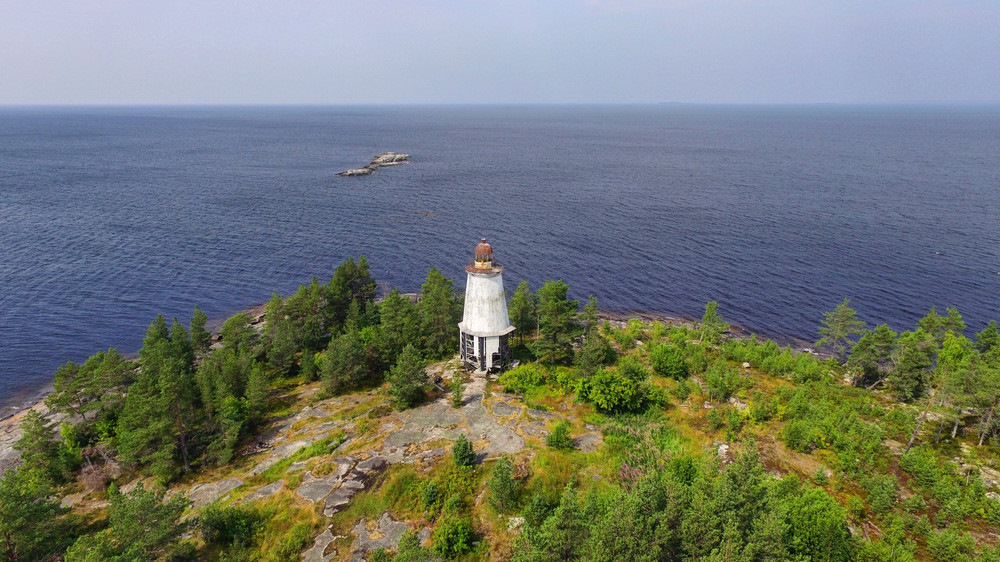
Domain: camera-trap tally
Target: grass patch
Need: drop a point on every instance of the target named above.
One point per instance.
(551, 470)
(543, 397)
(321, 447)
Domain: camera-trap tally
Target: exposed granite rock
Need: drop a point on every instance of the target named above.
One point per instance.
(315, 553)
(385, 535)
(265, 492)
(204, 494)
(379, 161)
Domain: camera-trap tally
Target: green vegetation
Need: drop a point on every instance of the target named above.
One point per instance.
(693, 444)
(461, 452)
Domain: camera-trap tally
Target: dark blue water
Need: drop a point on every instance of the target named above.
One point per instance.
(111, 216)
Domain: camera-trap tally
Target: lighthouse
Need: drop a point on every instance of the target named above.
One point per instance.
(485, 325)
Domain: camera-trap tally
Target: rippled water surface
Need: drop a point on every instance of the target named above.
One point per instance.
(110, 216)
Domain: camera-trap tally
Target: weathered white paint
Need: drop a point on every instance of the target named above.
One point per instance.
(485, 306)
(485, 317)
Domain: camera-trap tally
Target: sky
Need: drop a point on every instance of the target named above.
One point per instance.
(498, 51)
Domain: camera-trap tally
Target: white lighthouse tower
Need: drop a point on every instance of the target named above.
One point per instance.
(485, 324)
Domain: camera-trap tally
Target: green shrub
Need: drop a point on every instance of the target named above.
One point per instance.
(656, 396)
(668, 361)
(856, 507)
(882, 492)
(632, 368)
(462, 452)
(820, 478)
(721, 381)
(294, 541)
(952, 545)
(714, 419)
(682, 390)
(800, 436)
(431, 497)
(559, 438)
(920, 462)
(231, 525)
(914, 503)
(522, 378)
(453, 536)
(613, 393)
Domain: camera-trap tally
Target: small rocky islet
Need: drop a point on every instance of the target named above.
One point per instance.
(379, 161)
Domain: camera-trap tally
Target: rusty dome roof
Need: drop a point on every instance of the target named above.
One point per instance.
(483, 248)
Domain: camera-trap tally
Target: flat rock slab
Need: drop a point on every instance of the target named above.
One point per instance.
(316, 490)
(540, 414)
(315, 553)
(386, 535)
(204, 494)
(588, 442)
(265, 492)
(278, 454)
(372, 464)
(504, 409)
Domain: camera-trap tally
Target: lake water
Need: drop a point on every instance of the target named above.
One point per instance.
(109, 216)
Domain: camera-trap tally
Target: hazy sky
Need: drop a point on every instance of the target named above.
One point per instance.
(498, 51)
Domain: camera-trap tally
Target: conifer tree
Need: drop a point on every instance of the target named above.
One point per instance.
(29, 529)
(838, 329)
(523, 310)
(350, 282)
(200, 337)
(141, 526)
(407, 378)
(37, 448)
(502, 486)
(158, 408)
(399, 326)
(557, 322)
(439, 315)
(345, 364)
(872, 355)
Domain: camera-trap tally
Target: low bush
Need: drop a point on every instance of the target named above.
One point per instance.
(522, 378)
(559, 438)
(231, 525)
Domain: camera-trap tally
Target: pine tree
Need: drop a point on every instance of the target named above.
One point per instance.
(557, 322)
(141, 526)
(399, 326)
(200, 337)
(29, 529)
(457, 387)
(502, 487)
(712, 326)
(440, 313)
(158, 408)
(838, 329)
(523, 311)
(462, 453)
(407, 378)
(350, 282)
(345, 364)
(37, 448)
(872, 355)
(565, 531)
(588, 318)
